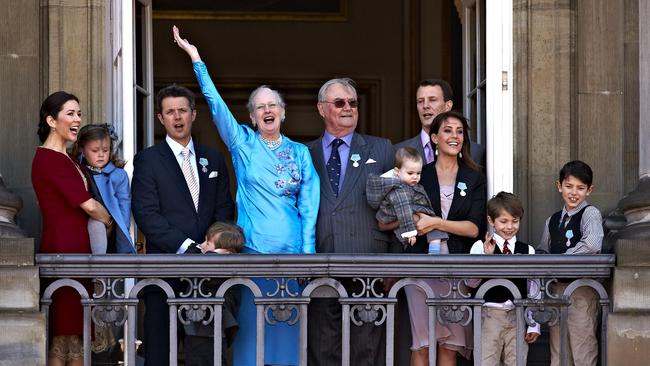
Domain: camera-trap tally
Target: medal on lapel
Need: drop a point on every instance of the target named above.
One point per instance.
(204, 163)
(568, 235)
(355, 160)
(462, 186)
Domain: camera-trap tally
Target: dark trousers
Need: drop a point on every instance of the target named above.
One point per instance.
(367, 342)
(199, 351)
(156, 328)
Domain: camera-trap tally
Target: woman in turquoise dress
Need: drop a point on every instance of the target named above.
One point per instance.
(278, 193)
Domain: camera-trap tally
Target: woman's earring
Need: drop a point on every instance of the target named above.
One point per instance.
(460, 154)
(436, 151)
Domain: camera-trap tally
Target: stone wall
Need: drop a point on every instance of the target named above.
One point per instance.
(575, 97)
(22, 339)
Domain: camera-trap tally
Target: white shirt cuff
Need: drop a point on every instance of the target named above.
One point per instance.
(410, 234)
(184, 246)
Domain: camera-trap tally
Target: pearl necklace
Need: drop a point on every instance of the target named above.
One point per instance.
(272, 144)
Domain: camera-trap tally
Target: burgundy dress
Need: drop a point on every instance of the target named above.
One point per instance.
(60, 190)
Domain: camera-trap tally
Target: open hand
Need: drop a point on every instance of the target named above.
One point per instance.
(185, 45)
(488, 244)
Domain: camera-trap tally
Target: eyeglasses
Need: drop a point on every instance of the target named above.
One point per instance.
(262, 107)
(340, 103)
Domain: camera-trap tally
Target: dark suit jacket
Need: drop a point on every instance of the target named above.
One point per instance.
(470, 207)
(477, 150)
(347, 224)
(162, 204)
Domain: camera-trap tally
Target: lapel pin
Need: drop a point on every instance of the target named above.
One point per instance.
(204, 163)
(355, 160)
(462, 186)
(568, 235)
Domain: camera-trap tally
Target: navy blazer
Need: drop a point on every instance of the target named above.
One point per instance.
(162, 204)
(470, 207)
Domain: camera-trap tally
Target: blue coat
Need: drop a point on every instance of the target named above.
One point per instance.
(113, 186)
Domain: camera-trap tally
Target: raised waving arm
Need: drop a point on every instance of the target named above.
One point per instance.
(186, 46)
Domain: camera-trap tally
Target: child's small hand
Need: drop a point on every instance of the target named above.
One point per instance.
(207, 246)
(531, 337)
(412, 240)
(488, 244)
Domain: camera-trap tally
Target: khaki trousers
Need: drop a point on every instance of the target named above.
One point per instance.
(499, 337)
(582, 324)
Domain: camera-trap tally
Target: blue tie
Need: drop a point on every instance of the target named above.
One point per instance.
(334, 166)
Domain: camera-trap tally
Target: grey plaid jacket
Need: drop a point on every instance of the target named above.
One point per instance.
(395, 200)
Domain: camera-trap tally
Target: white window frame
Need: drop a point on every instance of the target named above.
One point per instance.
(497, 91)
(123, 99)
(500, 124)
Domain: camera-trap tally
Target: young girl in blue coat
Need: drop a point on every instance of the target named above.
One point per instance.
(110, 186)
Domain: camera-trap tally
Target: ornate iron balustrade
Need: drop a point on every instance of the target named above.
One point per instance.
(319, 274)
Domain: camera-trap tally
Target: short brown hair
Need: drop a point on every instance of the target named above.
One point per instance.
(406, 153)
(231, 238)
(507, 202)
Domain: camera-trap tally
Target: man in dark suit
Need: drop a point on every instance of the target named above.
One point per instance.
(433, 97)
(346, 223)
(179, 189)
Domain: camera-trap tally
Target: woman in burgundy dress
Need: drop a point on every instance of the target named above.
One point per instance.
(62, 191)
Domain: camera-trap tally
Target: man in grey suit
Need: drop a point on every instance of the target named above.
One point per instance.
(346, 223)
(433, 97)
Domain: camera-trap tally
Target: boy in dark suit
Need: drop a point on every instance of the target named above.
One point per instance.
(178, 190)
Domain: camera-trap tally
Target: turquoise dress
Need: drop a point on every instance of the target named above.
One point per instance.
(278, 193)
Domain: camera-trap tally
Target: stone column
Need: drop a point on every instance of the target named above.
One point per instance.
(636, 205)
(10, 204)
(75, 54)
(543, 41)
(628, 335)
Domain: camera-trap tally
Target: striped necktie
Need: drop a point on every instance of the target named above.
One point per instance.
(506, 250)
(190, 179)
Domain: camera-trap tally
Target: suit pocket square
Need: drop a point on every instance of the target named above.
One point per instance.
(213, 174)
(371, 161)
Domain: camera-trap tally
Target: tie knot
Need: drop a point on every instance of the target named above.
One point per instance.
(185, 152)
(336, 143)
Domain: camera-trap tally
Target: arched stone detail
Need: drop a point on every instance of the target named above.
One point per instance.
(496, 282)
(133, 294)
(226, 285)
(586, 282)
(65, 282)
(325, 281)
(408, 282)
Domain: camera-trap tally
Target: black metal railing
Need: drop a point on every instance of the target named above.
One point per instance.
(119, 279)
